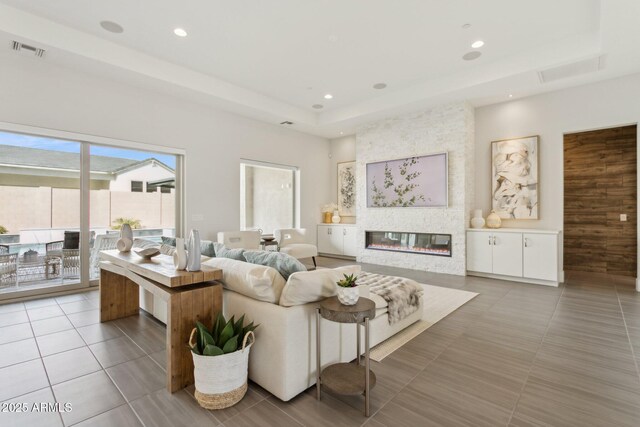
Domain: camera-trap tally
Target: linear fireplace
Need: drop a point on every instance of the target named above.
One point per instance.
(415, 243)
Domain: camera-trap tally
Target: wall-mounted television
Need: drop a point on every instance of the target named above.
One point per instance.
(420, 182)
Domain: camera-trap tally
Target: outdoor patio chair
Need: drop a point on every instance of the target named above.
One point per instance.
(8, 270)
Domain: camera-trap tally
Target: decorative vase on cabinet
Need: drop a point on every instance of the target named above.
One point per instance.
(493, 220)
(477, 221)
(336, 217)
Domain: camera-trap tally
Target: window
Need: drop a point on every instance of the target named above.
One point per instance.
(268, 197)
(136, 186)
(63, 200)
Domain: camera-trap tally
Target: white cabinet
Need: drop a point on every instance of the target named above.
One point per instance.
(337, 239)
(522, 255)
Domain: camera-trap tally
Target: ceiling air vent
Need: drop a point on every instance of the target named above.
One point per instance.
(286, 122)
(19, 47)
(585, 66)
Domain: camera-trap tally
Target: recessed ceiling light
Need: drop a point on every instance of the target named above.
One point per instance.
(328, 96)
(470, 56)
(510, 95)
(112, 27)
(477, 44)
(317, 106)
(180, 32)
(379, 85)
(341, 133)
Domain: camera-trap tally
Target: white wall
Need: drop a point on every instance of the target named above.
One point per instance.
(445, 128)
(342, 150)
(606, 104)
(35, 93)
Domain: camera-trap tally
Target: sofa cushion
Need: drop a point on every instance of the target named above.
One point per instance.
(259, 282)
(311, 286)
(223, 252)
(285, 264)
(300, 250)
(206, 246)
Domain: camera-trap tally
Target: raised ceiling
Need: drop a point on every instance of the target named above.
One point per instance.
(273, 60)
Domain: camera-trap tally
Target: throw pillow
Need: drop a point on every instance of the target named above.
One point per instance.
(167, 249)
(312, 286)
(284, 263)
(223, 252)
(206, 246)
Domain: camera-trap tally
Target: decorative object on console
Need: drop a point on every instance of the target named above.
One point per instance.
(348, 292)
(221, 361)
(30, 256)
(493, 220)
(477, 221)
(411, 182)
(193, 249)
(347, 188)
(327, 211)
(514, 178)
(180, 255)
(125, 243)
(148, 253)
(336, 217)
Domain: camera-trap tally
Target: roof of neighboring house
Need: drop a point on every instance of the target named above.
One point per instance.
(38, 158)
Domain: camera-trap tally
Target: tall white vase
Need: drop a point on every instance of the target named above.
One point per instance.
(180, 255)
(125, 242)
(477, 221)
(193, 247)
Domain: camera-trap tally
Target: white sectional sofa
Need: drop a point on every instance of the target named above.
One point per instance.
(283, 359)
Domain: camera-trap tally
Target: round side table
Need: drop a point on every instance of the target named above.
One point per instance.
(347, 378)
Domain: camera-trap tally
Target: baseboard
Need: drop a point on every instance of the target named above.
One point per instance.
(514, 279)
(350, 258)
(561, 276)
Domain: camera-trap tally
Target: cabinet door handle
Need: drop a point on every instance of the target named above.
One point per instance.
(489, 240)
(329, 231)
(494, 240)
(526, 242)
(344, 231)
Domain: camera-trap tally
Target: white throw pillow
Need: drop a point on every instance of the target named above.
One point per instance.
(255, 281)
(311, 286)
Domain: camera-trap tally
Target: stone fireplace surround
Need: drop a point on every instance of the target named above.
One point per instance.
(447, 128)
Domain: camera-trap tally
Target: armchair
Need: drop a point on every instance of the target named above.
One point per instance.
(293, 242)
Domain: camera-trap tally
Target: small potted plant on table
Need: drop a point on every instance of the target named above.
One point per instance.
(221, 361)
(348, 292)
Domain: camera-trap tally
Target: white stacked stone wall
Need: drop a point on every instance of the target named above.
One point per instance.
(447, 128)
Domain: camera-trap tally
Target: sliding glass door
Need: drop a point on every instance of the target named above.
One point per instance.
(62, 202)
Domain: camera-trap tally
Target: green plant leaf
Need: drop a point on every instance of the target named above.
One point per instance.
(217, 327)
(201, 331)
(231, 345)
(195, 350)
(226, 333)
(237, 327)
(249, 328)
(212, 350)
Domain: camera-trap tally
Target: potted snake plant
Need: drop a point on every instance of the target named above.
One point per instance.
(221, 361)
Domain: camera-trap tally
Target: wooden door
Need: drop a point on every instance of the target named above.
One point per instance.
(599, 186)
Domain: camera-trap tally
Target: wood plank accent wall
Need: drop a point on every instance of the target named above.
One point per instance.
(600, 173)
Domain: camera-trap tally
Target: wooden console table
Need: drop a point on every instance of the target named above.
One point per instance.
(190, 297)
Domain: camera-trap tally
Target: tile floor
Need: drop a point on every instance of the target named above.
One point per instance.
(518, 355)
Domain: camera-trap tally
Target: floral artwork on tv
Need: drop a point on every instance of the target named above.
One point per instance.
(420, 182)
(514, 171)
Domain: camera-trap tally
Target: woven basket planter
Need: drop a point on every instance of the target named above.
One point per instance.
(221, 381)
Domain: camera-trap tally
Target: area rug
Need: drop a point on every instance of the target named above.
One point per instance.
(439, 302)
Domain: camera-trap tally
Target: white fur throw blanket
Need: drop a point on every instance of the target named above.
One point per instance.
(401, 294)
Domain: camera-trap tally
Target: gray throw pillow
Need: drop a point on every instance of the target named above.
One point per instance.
(284, 263)
(221, 251)
(206, 246)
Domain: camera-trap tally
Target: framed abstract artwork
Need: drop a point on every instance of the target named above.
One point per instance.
(420, 182)
(347, 188)
(514, 178)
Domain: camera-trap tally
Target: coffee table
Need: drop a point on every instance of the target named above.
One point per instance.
(346, 378)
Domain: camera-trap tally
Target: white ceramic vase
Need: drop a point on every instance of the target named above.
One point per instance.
(336, 217)
(180, 255)
(125, 242)
(193, 248)
(493, 220)
(348, 296)
(477, 221)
